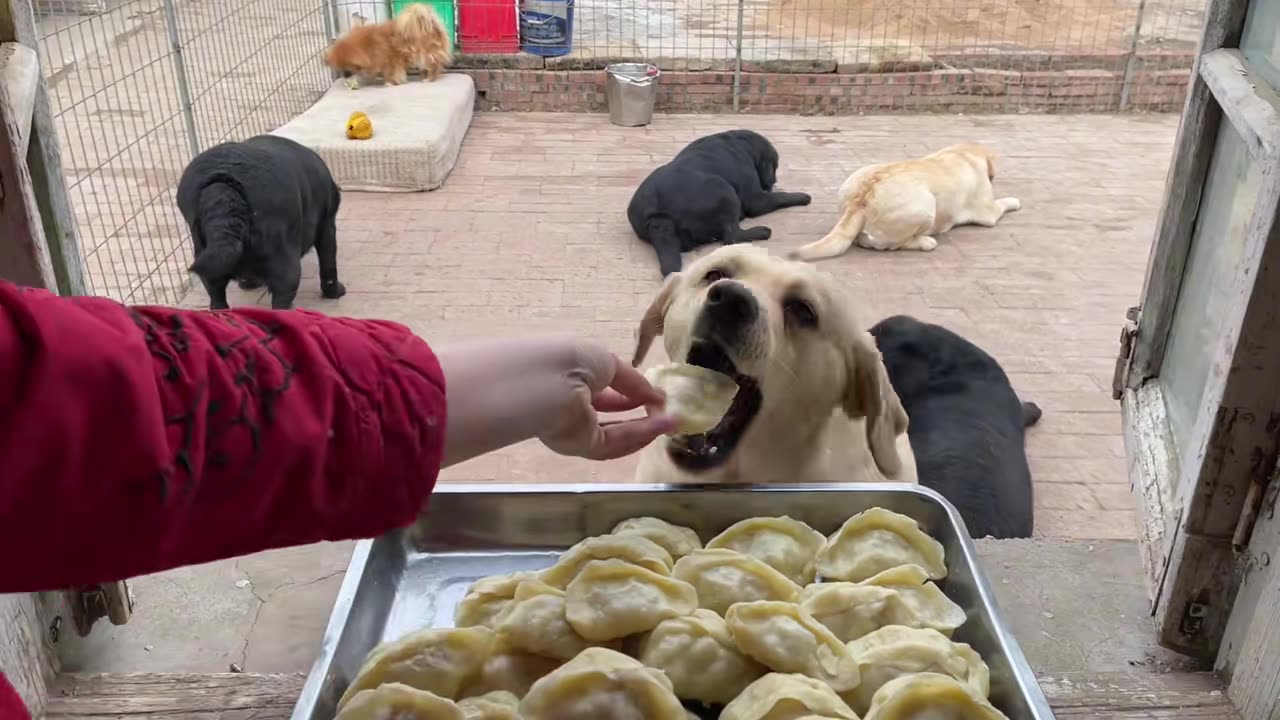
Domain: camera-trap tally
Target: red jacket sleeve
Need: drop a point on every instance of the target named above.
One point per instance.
(137, 439)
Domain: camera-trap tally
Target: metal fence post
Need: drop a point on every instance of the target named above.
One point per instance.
(1130, 66)
(737, 60)
(180, 71)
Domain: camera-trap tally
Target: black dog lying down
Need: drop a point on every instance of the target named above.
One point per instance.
(705, 191)
(966, 424)
(254, 209)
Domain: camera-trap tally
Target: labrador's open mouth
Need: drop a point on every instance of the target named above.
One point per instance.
(698, 453)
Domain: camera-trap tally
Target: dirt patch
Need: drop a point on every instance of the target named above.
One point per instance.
(1100, 26)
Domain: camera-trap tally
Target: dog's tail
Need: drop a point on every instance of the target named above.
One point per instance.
(422, 29)
(1030, 414)
(838, 240)
(665, 240)
(223, 225)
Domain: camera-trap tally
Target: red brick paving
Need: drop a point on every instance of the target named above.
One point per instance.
(529, 234)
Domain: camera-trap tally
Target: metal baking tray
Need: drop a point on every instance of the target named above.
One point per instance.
(412, 578)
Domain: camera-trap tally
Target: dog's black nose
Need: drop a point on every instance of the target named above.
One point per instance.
(730, 302)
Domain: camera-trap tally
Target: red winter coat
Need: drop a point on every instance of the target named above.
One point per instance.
(138, 439)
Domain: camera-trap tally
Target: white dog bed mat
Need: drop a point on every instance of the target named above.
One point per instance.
(418, 129)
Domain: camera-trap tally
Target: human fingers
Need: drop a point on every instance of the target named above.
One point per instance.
(622, 438)
(612, 401)
(630, 382)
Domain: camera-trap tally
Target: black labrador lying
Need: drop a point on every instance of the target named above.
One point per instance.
(254, 209)
(705, 191)
(966, 424)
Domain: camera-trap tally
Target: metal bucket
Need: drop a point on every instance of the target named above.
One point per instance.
(631, 89)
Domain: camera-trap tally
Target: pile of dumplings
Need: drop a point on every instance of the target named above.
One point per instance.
(646, 623)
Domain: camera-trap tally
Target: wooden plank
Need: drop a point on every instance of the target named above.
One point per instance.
(27, 658)
(23, 256)
(1074, 696)
(1153, 473)
(1223, 23)
(44, 164)
(1248, 101)
(1235, 438)
(1250, 656)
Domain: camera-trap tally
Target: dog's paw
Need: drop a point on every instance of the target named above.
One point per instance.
(333, 291)
(804, 199)
(928, 244)
(1011, 204)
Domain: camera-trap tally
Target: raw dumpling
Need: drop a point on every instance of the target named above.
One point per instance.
(510, 670)
(786, 545)
(499, 705)
(779, 696)
(697, 397)
(487, 599)
(394, 700)
(894, 651)
(786, 639)
(725, 577)
(634, 549)
(434, 660)
(611, 599)
(535, 623)
(930, 696)
(876, 540)
(677, 540)
(699, 656)
(901, 596)
(601, 684)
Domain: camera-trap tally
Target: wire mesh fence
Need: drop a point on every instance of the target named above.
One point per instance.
(139, 86)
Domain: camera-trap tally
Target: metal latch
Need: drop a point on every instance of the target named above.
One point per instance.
(1120, 379)
(89, 604)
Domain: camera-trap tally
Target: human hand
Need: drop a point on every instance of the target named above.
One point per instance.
(602, 383)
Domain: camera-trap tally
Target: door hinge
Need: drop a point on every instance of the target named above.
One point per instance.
(89, 604)
(1120, 379)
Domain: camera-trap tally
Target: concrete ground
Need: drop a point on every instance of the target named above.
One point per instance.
(529, 235)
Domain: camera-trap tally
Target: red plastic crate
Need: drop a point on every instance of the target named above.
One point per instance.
(490, 27)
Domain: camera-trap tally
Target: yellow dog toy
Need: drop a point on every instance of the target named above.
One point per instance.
(359, 127)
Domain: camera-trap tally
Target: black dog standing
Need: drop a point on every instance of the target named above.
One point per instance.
(254, 209)
(966, 424)
(705, 191)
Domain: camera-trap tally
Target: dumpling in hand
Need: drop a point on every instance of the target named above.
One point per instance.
(699, 656)
(786, 639)
(786, 545)
(930, 696)
(499, 705)
(611, 599)
(394, 700)
(725, 577)
(508, 669)
(779, 696)
(631, 548)
(601, 684)
(697, 397)
(487, 599)
(535, 623)
(851, 610)
(437, 661)
(894, 651)
(876, 540)
(679, 541)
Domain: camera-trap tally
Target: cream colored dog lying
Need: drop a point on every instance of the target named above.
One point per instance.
(814, 402)
(902, 205)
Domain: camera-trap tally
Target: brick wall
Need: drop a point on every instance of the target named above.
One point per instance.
(1069, 86)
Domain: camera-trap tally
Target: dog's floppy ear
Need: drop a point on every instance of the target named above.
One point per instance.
(869, 396)
(654, 317)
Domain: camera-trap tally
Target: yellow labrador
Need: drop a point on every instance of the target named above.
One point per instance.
(814, 404)
(902, 205)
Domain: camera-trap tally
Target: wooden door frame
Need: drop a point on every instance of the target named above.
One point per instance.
(1198, 520)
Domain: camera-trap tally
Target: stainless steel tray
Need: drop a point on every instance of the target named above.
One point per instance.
(413, 578)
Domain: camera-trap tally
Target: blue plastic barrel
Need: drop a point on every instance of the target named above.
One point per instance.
(546, 27)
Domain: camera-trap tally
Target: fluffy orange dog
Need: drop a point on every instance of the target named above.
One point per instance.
(415, 38)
